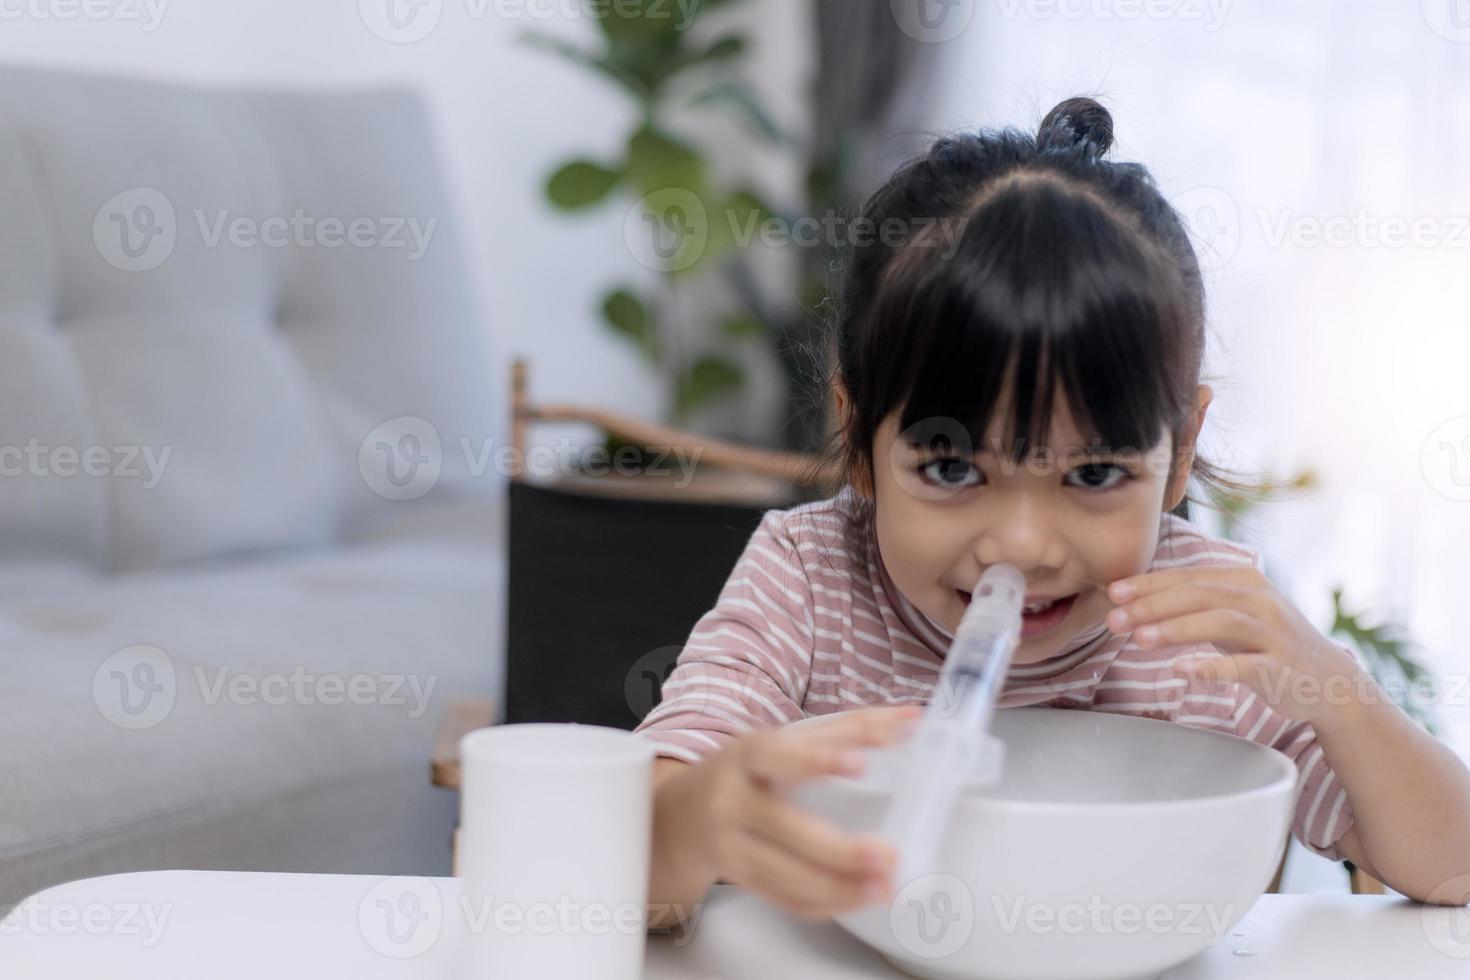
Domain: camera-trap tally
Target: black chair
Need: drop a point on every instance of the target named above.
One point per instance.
(608, 575)
(603, 594)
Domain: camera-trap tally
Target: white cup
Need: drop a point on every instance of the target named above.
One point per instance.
(556, 822)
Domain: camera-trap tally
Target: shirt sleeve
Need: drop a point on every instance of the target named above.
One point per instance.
(748, 660)
(1323, 812)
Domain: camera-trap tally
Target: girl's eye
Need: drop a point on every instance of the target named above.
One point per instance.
(951, 473)
(1097, 476)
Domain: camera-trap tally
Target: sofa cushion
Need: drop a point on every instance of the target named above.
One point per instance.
(191, 277)
(275, 684)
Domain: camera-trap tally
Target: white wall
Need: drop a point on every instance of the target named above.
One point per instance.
(506, 115)
(1343, 358)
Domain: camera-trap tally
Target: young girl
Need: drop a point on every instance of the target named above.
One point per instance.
(1018, 381)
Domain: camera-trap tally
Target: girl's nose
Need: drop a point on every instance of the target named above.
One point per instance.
(1021, 535)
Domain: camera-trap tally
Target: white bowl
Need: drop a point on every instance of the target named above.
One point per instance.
(1113, 847)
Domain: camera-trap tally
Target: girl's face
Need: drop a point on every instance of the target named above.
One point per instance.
(1071, 519)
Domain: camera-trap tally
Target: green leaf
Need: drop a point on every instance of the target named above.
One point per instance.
(742, 99)
(622, 20)
(581, 184)
(709, 378)
(743, 326)
(655, 58)
(744, 201)
(735, 222)
(601, 64)
(1386, 656)
(630, 317)
(658, 161)
(727, 47)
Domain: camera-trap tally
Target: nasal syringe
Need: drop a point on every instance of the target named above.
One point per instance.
(952, 747)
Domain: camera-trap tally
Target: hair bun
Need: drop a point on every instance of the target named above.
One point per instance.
(1075, 121)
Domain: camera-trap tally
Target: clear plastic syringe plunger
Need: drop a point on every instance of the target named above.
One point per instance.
(952, 746)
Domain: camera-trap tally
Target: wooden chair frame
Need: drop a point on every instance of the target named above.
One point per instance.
(797, 469)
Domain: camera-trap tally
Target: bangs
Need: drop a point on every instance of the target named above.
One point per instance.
(1046, 291)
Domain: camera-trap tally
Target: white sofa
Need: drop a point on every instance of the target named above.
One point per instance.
(232, 653)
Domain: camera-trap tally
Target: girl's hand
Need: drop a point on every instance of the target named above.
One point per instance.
(756, 838)
(1268, 644)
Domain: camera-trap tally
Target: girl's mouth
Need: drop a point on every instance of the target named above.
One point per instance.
(1038, 618)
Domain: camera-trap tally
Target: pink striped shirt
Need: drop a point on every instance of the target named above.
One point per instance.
(810, 623)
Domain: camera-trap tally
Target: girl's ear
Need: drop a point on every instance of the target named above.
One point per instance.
(842, 412)
(840, 402)
(1184, 452)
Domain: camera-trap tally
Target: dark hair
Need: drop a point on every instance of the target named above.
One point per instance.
(1032, 258)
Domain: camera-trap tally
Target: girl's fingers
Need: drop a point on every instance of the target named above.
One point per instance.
(861, 726)
(1180, 600)
(1229, 629)
(819, 840)
(785, 757)
(775, 763)
(1137, 586)
(797, 884)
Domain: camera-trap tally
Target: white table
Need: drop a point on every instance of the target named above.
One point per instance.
(233, 926)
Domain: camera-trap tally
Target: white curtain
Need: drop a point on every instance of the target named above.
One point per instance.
(1322, 154)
